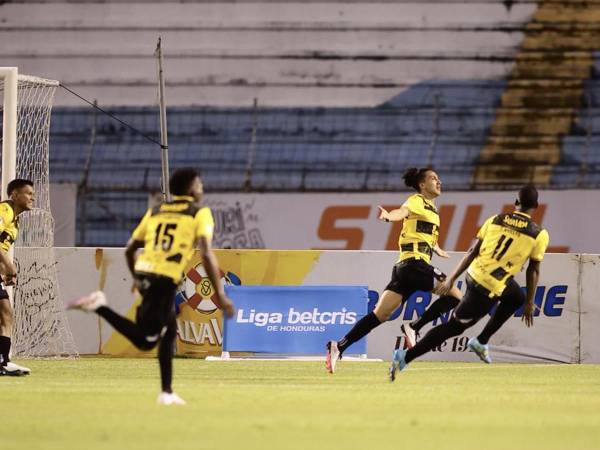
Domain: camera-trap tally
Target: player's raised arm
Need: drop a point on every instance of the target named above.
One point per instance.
(395, 215)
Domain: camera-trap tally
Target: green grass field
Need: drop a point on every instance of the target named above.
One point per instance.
(95, 403)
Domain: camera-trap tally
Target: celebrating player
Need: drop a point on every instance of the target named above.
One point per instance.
(505, 243)
(168, 234)
(21, 196)
(412, 272)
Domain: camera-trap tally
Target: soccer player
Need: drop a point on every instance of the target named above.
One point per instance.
(168, 233)
(504, 244)
(21, 197)
(412, 272)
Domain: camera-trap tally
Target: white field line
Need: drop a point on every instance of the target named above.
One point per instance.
(474, 366)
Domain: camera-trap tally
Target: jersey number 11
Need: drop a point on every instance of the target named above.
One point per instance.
(500, 248)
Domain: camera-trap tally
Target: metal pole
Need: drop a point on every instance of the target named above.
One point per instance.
(436, 129)
(252, 147)
(83, 185)
(164, 145)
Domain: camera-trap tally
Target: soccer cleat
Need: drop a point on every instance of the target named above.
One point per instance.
(89, 302)
(11, 366)
(398, 363)
(13, 370)
(166, 398)
(481, 350)
(332, 356)
(410, 336)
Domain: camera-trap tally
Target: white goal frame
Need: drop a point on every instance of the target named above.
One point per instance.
(10, 76)
(51, 333)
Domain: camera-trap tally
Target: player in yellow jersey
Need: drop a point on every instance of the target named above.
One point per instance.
(413, 271)
(168, 233)
(505, 243)
(21, 197)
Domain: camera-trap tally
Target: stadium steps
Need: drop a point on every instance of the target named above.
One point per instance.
(554, 62)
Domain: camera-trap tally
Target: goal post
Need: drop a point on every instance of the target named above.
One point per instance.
(41, 327)
(8, 78)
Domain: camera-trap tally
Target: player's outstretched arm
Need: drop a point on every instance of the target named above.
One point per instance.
(209, 261)
(446, 286)
(395, 215)
(532, 276)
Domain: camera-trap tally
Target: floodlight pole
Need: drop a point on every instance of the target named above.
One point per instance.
(164, 145)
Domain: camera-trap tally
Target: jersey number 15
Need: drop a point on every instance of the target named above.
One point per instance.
(165, 235)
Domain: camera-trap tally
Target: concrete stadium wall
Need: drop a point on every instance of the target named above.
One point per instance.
(565, 330)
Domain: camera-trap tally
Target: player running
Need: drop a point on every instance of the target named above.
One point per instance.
(168, 233)
(417, 243)
(505, 243)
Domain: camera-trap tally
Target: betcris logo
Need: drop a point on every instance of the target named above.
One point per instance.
(293, 319)
(313, 320)
(550, 301)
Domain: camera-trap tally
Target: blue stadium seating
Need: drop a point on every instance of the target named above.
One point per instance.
(442, 124)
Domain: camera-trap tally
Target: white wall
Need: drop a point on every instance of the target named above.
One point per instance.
(565, 331)
(63, 204)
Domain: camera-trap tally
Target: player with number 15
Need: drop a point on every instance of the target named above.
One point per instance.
(168, 234)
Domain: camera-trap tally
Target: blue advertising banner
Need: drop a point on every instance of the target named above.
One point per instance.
(293, 319)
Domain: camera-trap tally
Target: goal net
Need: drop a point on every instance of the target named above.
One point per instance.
(41, 327)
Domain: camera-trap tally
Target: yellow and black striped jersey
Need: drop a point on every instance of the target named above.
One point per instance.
(9, 226)
(420, 230)
(169, 232)
(507, 242)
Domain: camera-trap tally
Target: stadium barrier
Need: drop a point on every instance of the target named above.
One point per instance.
(565, 327)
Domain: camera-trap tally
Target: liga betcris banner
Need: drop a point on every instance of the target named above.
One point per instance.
(293, 319)
(349, 221)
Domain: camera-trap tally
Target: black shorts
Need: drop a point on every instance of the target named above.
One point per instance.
(477, 302)
(413, 275)
(157, 309)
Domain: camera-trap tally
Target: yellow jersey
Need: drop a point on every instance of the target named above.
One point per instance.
(420, 230)
(9, 226)
(508, 241)
(169, 232)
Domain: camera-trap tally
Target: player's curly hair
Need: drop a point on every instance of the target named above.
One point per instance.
(181, 180)
(413, 176)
